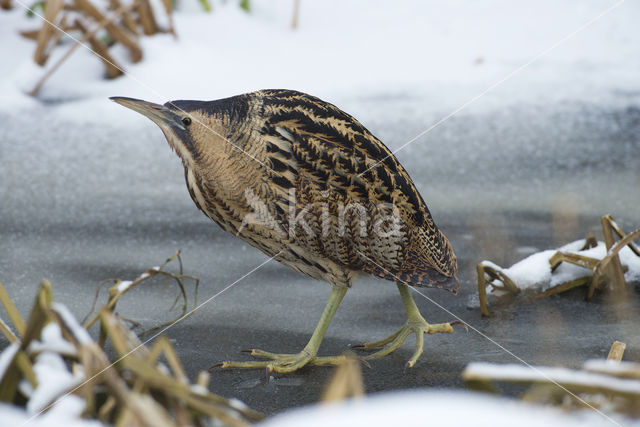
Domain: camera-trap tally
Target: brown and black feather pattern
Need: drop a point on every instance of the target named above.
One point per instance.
(301, 142)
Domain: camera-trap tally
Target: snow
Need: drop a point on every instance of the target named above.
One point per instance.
(614, 367)
(54, 380)
(397, 66)
(7, 356)
(199, 389)
(51, 339)
(437, 407)
(519, 372)
(142, 276)
(67, 413)
(534, 272)
(435, 48)
(124, 285)
(70, 321)
(237, 404)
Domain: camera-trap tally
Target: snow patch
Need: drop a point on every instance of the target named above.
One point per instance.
(51, 339)
(124, 285)
(78, 331)
(54, 379)
(7, 356)
(439, 407)
(518, 372)
(534, 272)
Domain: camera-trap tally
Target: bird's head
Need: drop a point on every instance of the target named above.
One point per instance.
(195, 130)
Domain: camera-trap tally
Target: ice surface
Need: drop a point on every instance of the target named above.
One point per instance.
(90, 190)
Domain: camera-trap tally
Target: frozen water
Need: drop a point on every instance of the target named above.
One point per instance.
(90, 190)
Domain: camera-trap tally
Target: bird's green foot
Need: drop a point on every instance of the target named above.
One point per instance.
(308, 356)
(282, 363)
(417, 326)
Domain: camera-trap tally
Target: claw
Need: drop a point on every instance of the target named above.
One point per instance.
(459, 322)
(364, 362)
(417, 326)
(217, 365)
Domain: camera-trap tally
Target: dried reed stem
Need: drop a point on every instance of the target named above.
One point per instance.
(99, 47)
(45, 35)
(83, 41)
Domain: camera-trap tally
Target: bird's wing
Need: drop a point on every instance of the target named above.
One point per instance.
(316, 142)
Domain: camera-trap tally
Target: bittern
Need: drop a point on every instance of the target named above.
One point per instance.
(311, 187)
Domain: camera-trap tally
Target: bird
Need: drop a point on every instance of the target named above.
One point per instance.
(308, 185)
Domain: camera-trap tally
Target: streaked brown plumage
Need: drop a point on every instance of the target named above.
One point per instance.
(256, 162)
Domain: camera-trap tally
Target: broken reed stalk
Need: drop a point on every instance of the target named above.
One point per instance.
(609, 385)
(117, 33)
(12, 311)
(483, 269)
(477, 373)
(119, 288)
(482, 291)
(46, 41)
(617, 351)
(138, 389)
(613, 259)
(605, 270)
(296, 14)
(75, 45)
(127, 19)
(614, 271)
(346, 381)
(563, 287)
(145, 15)
(168, 10)
(101, 49)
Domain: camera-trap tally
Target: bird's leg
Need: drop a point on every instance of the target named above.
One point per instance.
(292, 362)
(415, 325)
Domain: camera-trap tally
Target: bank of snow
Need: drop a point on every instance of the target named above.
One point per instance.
(447, 52)
(534, 272)
(441, 408)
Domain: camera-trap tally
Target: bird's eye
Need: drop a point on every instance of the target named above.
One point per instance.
(186, 121)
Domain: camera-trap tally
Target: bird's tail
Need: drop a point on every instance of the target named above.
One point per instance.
(426, 278)
(434, 279)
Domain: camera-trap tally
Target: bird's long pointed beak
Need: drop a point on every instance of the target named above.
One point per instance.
(159, 114)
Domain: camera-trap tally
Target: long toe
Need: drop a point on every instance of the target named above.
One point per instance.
(395, 340)
(379, 343)
(281, 363)
(278, 363)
